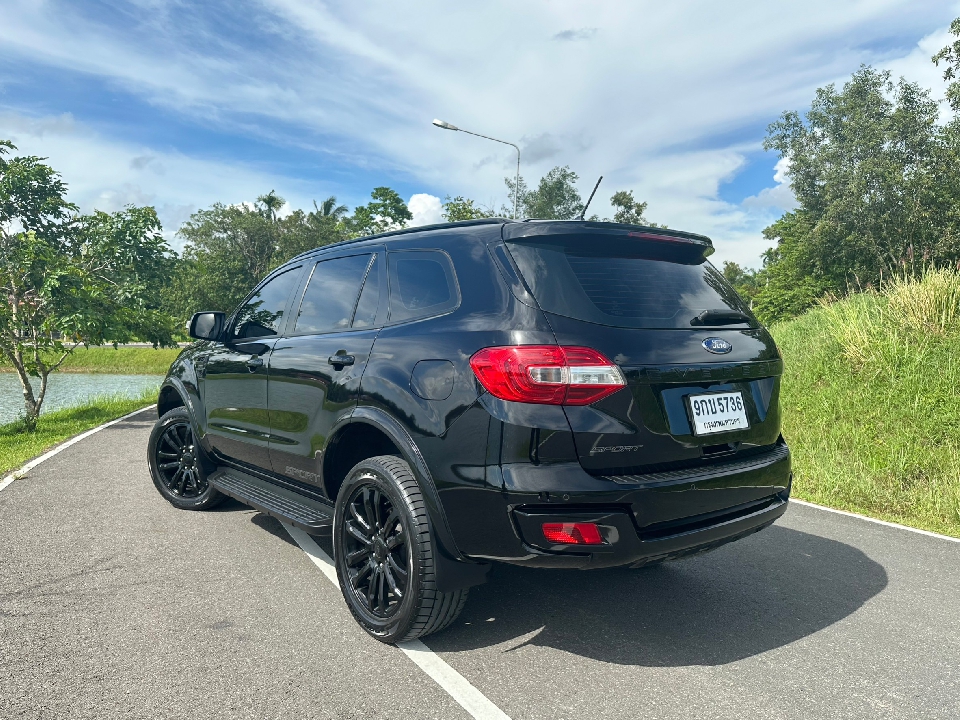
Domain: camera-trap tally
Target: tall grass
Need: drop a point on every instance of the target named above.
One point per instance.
(871, 401)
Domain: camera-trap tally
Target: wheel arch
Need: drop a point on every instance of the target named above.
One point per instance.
(381, 434)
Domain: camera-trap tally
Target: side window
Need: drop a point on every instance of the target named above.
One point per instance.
(366, 314)
(261, 314)
(331, 294)
(422, 284)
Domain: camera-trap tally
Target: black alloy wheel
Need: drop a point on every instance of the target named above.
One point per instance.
(178, 464)
(385, 554)
(375, 551)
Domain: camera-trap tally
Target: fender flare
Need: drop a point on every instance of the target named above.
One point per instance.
(454, 571)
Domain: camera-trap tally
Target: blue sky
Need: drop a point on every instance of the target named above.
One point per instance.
(180, 105)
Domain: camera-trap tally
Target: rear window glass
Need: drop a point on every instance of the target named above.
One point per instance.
(621, 285)
(422, 284)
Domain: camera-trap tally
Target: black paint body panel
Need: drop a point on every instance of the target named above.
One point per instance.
(490, 470)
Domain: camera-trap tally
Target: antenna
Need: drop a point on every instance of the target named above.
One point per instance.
(589, 199)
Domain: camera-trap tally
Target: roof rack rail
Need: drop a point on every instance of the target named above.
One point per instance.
(404, 231)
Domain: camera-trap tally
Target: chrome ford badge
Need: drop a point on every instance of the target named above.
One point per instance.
(716, 345)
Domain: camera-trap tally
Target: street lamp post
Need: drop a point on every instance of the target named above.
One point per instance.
(516, 187)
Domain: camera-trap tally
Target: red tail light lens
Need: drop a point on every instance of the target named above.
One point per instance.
(546, 374)
(572, 533)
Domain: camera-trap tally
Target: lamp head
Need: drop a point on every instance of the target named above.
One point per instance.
(445, 125)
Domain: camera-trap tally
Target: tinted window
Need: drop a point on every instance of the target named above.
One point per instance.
(366, 314)
(623, 286)
(422, 283)
(261, 315)
(331, 294)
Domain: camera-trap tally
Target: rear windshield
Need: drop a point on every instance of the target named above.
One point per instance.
(634, 284)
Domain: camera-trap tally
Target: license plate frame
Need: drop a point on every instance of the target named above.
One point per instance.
(719, 411)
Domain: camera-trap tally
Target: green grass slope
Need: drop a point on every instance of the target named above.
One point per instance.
(871, 402)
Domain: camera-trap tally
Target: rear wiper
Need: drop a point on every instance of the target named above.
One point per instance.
(720, 317)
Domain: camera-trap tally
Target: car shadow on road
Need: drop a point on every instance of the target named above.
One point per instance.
(746, 598)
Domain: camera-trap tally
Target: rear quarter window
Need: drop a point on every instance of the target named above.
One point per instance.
(422, 284)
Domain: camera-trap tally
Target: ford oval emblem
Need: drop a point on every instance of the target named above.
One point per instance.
(718, 346)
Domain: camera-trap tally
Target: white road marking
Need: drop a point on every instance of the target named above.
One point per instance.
(456, 686)
(874, 520)
(16, 474)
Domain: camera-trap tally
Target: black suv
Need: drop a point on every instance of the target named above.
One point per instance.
(545, 393)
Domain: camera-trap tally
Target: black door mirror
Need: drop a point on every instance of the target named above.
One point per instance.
(206, 325)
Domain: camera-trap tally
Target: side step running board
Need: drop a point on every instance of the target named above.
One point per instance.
(286, 505)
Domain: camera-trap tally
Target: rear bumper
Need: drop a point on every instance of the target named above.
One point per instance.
(642, 518)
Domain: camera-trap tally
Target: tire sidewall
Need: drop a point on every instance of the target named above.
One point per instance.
(211, 495)
(395, 627)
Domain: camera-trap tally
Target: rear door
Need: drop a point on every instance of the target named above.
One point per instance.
(315, 370)
(235, 379)
(642, 302)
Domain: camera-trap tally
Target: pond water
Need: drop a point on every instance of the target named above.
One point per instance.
(70, 389)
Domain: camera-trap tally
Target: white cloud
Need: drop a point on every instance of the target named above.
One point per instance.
(426, 209)
(649, 100)
(104, 174)
(779, 197)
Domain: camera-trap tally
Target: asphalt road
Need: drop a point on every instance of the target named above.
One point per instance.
(115, 604)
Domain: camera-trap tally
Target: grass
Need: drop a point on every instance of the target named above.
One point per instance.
(871, 402)
(121, 361)
(17, 446)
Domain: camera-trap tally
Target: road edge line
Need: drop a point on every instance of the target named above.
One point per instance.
(453, 683)
(17, 474)
(886, 523)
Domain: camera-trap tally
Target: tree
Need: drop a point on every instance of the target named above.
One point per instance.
(387, 211)
(69, 280)
(227, 250)
(461, 208)
(877, 182)
(629, 211)
(555, 197)
(743, 280)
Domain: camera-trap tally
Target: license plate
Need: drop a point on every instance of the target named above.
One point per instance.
(717, 413)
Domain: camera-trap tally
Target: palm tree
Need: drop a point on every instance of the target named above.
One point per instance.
(270, 204)
(329, 209)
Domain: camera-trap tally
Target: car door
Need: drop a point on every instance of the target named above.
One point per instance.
(235, 378)
(315, 369)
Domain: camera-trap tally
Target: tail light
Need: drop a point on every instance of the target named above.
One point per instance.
(572, 533)
(546, 374)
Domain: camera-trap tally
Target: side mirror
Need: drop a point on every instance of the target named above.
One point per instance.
(206, 325)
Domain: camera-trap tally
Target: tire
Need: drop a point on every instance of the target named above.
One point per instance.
(178, 465)
(380, 523)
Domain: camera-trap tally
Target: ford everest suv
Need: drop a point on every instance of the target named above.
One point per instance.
(560, 394)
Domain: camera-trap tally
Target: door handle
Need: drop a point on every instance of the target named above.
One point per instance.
(254, 362)
(341, 360)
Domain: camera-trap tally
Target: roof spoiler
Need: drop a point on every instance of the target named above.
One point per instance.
(542, 228)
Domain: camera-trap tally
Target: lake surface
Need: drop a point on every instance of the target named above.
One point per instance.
(70, 389)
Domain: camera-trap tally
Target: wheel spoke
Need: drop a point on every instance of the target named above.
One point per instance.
(358, 555)
(395, 566)
(391, 581)
(356, 534)
(391, 521)
(168, 465)
(183, 481)
(162, 454)
(171, 438)
(358, 575)
(365, 526)
(368, 506)
(372, 587)
(174, 479)
(381, 591)
(396, 540)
